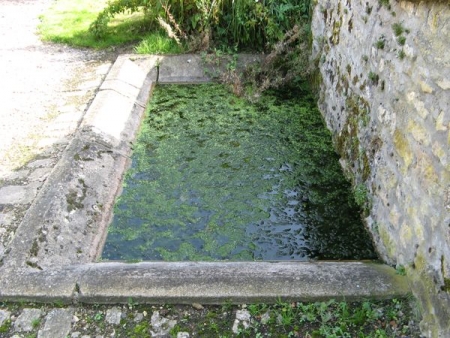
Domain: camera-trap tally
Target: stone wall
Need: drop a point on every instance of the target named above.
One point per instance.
(385, 94)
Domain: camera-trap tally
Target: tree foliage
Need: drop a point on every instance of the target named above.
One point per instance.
(248, 24)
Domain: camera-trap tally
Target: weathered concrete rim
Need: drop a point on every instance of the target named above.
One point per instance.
(52, 257)
(205, 282)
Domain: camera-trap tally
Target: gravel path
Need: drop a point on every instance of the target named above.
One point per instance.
(37, 81)
(45, 90)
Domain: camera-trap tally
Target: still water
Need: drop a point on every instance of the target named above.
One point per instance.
(214, 177)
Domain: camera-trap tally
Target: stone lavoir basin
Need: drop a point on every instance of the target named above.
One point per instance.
(214, 177)
(269, 225)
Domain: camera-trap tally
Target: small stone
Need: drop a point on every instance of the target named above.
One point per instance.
(138, 317)
(183, 335)
(444, 84)
(161, 326)
(27, 318)
(265, 318)
(57, 324)
(4, 315)
(197, 306)
(426, 88)
(75, 335)
(279, 319)
(440, 124)
(113, 316)
(242, 316)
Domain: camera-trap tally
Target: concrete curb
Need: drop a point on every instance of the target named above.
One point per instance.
(67, 222)
(205, 282)
(52, 254)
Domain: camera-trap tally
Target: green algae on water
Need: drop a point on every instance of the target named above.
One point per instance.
(214, 177)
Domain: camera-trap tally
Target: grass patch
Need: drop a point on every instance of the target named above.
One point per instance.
(373, 77)
(380, 43)
(333, 318)
(401, 40)
(158, 43)
(398, 29)
(68, 21)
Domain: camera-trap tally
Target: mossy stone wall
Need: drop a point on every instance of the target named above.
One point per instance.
(385, 95)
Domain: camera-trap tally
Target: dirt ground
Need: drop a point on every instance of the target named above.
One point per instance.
(37, 81)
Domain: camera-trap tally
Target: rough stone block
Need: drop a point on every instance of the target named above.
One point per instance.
(113, 316)
(27, 319)
(57, 324)
(4, 316)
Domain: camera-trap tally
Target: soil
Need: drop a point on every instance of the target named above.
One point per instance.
(37, 80)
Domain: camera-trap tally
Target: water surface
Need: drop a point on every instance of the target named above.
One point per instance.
(216, 178)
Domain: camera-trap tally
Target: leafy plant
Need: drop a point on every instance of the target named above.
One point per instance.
(400, 270)
(35, 323)
(385, 3)
(241, 23)
(398, 29)
(158, 43)
(98, 316)
(373, 77)
(360, 194)
(5, 326)
(381, 42)
(401, 40)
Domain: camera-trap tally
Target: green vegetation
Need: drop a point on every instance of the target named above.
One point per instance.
(5, 327)
(398, 29)
(200, 23)
(385, 3)
(281, 28)
(158, 43)
(192, 24)
(215, 177)
(401, 270)
(374, 77)
(361, 196)
(68, 21)
(36, 323)
(381, 42)
(332, 318)
(401, 40)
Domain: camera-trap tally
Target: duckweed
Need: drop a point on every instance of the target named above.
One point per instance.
(214, 177)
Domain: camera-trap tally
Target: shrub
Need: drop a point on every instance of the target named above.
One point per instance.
(245, 23)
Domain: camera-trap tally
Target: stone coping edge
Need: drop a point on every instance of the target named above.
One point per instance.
(204, 282)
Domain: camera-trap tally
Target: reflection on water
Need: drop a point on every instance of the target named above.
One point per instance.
(215, 178)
